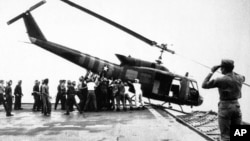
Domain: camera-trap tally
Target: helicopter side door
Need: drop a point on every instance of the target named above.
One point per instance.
(161, 84)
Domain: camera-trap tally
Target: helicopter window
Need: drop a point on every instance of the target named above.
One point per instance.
(156, 86)
(131, 74)
(145, 78)
(175, 88)
(193, 85)
(194, 93)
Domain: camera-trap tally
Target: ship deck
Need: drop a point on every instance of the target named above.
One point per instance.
(151, 124)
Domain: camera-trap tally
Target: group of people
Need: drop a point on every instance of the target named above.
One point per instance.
(6, 97)
(94, 94)
(42, 97)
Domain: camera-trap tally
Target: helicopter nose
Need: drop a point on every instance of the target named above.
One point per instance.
(200, 100)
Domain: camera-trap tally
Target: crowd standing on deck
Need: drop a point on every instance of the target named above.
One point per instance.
(95, 93)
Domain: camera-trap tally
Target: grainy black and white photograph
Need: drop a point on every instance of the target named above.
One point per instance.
(124, 70)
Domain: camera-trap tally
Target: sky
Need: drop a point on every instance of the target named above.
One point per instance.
(204, 31)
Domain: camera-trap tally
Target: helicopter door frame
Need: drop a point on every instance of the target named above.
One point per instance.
(184, 88)
(162, 84)
(194, 91)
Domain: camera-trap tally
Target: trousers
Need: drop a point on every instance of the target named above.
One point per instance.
(18, 102)
(229, 113)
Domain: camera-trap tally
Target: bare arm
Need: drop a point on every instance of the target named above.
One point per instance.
(207, 83)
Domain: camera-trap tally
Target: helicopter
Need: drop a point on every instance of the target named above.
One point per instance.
(157, 82)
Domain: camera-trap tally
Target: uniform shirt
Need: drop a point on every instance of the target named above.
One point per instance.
(137, 87)
(121, 88)
(8, 91)
(229, 85)
(61, 90)
(36, 90)
(114, 88)
(71, 90)
(45, 90)
(104, 86)
(18, 90)
(91, 86)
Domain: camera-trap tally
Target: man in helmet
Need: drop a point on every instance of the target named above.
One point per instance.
(229, 87)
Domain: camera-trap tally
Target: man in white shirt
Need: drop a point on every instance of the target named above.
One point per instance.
(91, 94)
(138, 94)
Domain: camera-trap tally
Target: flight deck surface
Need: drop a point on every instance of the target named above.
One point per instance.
(138, 125)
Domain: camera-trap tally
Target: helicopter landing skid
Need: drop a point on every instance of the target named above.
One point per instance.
(161, 106)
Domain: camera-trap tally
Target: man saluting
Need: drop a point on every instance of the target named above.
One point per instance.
(229, 87)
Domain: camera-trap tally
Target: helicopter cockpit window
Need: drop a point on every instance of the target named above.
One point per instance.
(194, 93)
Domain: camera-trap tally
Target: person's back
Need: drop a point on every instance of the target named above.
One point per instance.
(121, 88)
(8, 91)
(36, 88)
(18, 90)
(70, 91)
(229, 86)
(91, 86)
(91, 98)
(45, 90)
(137, 87)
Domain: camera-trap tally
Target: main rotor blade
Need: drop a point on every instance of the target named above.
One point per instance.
(146, 40)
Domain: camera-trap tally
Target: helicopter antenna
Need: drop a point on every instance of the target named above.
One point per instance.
(163, 47)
